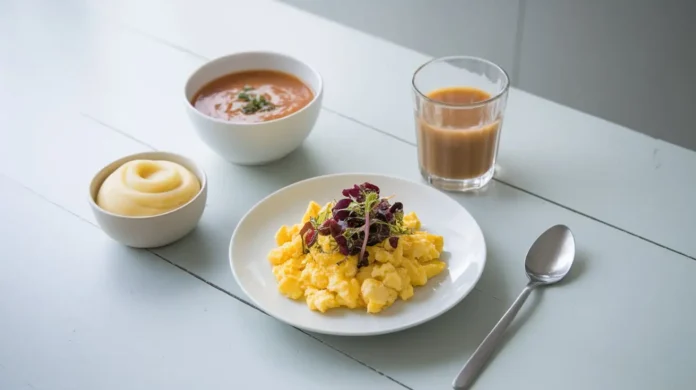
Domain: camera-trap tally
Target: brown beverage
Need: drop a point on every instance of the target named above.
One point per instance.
(457, 142)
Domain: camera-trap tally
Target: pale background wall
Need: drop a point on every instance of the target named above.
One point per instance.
(632, 62)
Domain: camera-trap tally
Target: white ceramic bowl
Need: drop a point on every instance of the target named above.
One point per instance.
(254, 143)
(151, 231)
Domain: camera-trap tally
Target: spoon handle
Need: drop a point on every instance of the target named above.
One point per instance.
(473, 366)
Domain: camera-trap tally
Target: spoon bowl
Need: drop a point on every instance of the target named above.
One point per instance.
(551, 256)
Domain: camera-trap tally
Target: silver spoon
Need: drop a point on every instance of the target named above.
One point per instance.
(548, 261)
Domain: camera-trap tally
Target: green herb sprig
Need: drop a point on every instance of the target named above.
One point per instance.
(255, 103)
(362, 219)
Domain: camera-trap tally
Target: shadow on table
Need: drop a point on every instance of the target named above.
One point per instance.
(196, 252)
(446, 340)
(494, 271)
(298, 165)
(136, 273)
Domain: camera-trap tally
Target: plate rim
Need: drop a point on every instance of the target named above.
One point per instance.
(304, 328)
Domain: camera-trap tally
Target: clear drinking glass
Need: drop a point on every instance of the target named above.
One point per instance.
(459, 107)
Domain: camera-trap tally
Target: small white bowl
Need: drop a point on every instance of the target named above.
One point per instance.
(254, 143)
(150, 231)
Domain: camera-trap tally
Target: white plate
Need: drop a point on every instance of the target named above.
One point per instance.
(464, 252)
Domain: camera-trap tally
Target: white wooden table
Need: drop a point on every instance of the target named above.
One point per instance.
(85, 82)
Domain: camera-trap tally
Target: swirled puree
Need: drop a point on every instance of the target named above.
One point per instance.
(141, 188)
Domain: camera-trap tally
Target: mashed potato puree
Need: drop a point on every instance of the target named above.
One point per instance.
(141, 188)
(327, 279)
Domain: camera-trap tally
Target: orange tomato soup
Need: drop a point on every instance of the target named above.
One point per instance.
(252, 96)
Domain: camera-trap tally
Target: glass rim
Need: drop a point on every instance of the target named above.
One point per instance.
(493, 98)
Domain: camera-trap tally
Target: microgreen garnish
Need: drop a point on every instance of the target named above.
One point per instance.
(359, 220)
(255, 102)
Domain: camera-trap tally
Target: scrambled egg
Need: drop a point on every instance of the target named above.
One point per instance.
(327, 279)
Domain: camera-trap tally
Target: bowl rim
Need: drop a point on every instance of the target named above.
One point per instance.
(202, 178)
(317, 94)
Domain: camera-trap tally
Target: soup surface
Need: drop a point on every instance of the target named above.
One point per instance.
(457, 142)
(252, 96)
